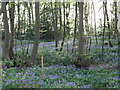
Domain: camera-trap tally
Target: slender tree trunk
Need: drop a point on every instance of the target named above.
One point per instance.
(67, 25)
(37, 35)
(63, 39)
(103, 31)
(81, 29)
(95, 24)
(75, 27)
(109, 35)
(11, 14)
(116, 19)
(23, 20)
(117, 26)
(6, 27)
(90, 44)
(60, 16)
(29, 26)
(32, 17)
(54, 14)
(86, 13)
(56, 29)
(2, 8)
(18, 8)
(1, 39)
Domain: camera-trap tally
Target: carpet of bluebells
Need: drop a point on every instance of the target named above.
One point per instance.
(59, 77)
(56, 74)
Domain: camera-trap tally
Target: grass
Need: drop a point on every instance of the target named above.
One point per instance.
(59, 77)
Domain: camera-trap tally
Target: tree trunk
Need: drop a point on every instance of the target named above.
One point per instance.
(81, 29)
(54, 14)
(37, 35)
(1, 10)
(103, 31)
(60, 16)
(75, 27)
(11, 14)
(67, 25)
(109, 35)
(56, 29)
(32, 17)
(6, 27)
(95, 24)
(63, 39)
(29, 26)
(118, 28)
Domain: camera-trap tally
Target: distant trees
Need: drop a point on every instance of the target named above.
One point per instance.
(59, 21)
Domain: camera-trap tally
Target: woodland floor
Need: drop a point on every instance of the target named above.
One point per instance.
(58, 76)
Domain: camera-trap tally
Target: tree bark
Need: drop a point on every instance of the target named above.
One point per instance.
(56, 29)
(2, 7)
(81, 29)
(11, 14)
(118, 27)
(103, 31)
(6, 27)
(37, 35)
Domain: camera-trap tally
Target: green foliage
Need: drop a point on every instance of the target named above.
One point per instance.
(110, 56)
(52, 57)
(82, 61)
(59, 77)
(7, 63)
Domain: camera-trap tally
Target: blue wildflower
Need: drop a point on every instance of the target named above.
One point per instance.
(54, 77)
(70, 84)
(85, 86)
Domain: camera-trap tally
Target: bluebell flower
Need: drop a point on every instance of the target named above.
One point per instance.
(70, 84)
(9, 81)
(115, 78)
(55, 82)
(54, 77)
(85, 86)
(39, 83)
(20, 73)
(77, 75)
(26, 80)
(32, 82)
